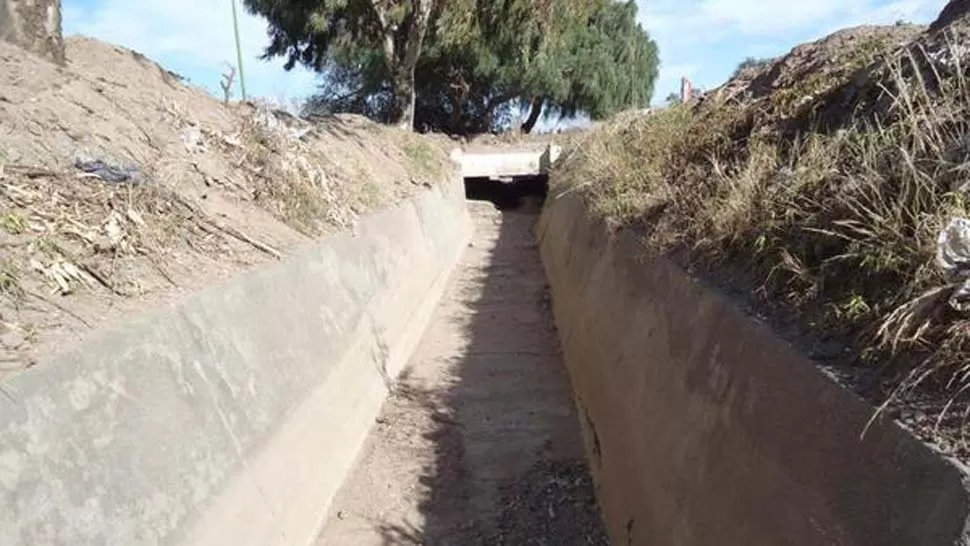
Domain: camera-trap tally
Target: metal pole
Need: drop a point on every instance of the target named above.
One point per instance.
(239, 58)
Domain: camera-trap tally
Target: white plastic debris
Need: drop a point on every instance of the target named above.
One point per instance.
(192, 139)
(953, 255)
(281, 122)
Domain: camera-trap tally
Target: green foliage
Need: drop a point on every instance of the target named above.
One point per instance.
(561, 57)
(355, 39)
(13, 223)
(315, 32)
(481, 60)
(613, 64)
(421, 156)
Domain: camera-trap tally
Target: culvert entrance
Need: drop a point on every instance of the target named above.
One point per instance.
(519, 193)
(479, 441)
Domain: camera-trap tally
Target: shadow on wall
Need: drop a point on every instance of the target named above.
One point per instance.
(507, 464)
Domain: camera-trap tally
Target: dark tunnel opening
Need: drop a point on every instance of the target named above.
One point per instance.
(525, 193)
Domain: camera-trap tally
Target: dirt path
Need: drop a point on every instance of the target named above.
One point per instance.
(479, 444)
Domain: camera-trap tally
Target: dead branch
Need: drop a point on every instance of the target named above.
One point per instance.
(227, 80)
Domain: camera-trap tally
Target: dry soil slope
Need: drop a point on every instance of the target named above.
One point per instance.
(219, 187)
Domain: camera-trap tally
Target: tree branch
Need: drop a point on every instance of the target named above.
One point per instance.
(498, 101)
(419, 27)
(381, 15)
(387, 33)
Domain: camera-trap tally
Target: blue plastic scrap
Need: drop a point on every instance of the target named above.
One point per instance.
(109, 173)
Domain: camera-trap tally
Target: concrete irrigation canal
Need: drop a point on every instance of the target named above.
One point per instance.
(482, 364)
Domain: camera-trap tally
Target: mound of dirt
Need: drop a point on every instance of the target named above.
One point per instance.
(825, 59)
(121, 187)
(952, 12)
(826, 190)
(782, 96)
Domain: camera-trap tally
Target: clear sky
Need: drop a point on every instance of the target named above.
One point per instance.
(701, 39)
(706, 39)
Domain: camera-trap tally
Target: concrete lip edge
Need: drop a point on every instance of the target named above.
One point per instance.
(507, 163)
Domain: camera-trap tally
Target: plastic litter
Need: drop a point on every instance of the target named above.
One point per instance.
(281, 122)
(953, 256)
(192, 139)
(109, 173)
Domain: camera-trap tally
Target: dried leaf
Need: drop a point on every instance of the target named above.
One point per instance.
(114, 230)
(135, 217)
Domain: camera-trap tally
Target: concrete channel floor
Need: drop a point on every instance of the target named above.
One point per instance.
(479, 442)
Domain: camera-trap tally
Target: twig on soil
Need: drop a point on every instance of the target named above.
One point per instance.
(31, 172)
(102, 280)
(207, 179)
(4, 190)
(60, 307)
(158, 267)
(227, 229)
(234, 232)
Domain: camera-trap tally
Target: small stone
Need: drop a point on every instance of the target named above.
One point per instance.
(341, 515)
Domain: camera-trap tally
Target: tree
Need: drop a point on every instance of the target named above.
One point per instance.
(613, 64)
(484, 60)
(547, 59)
(492, 56)
(321, 33)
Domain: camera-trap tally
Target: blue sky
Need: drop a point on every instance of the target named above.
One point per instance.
(701, 39)
(706, 39)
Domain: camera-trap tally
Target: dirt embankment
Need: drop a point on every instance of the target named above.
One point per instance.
(827, 190)
(122, 187)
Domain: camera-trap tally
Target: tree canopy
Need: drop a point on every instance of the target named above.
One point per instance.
(480, 63)
(331, 34)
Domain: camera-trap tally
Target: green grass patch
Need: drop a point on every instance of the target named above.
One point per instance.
(421, 156)
(13, 223)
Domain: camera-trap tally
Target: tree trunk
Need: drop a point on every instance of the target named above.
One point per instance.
(456, 102)
(459, 93)
(404, 98)
(494, 103)
(536, 110)
(34, 25)
(402, 61)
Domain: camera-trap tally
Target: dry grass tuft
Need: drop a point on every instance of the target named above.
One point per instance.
(288, 176)
(835, 227)
(422, 157)
(79, 232)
